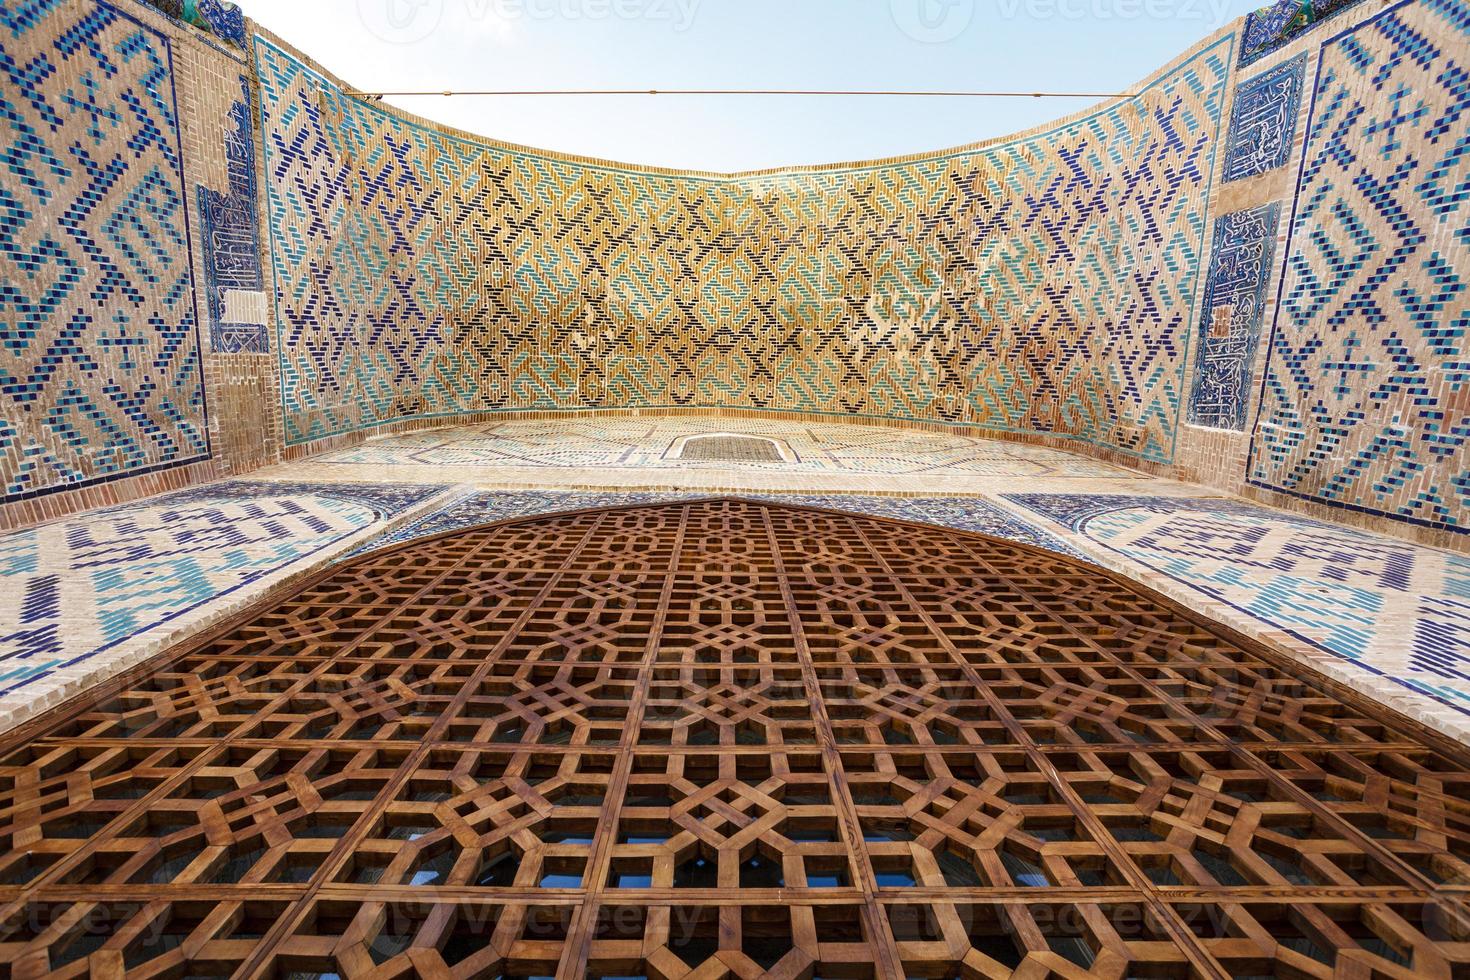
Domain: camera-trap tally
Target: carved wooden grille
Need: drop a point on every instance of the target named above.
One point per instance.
(724, 739)
(739, 449)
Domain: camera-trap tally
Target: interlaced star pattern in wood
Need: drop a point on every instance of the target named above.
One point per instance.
(727, 739)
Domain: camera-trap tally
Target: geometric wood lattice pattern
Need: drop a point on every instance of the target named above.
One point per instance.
(732, 448)
(729, 739)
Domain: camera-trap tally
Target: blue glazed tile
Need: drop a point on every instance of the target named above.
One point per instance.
(1263, 120)
(1234, 308)
(1389, 607)
(104, 377)
(231, 225)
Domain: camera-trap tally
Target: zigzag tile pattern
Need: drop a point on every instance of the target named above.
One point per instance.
(100, 372)
(1364, 404)
(1044, 284)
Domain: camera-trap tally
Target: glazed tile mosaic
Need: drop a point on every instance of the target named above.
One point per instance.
(656, 444)
(1263, 120)
(231, 246)
(919, 290)
(961, 513)
(1364, 404)
(1051, 284)
(126, 581)
(1234, 307)
(100, 371)
(1273, 27)
(1397, 611)
(219, 17)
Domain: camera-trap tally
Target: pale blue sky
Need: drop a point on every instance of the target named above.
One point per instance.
(1091, 45)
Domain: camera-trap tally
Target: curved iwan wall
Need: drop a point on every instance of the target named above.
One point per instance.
(1252, 273)
(1043, 284)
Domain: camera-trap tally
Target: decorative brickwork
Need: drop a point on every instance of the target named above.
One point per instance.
(1365, 399)
(1390, 608)
(100, 374)
(1043, 284)
(1049, 285)
(74, 589)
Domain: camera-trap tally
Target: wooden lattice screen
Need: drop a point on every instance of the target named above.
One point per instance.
(724, 739)
(733, 449)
